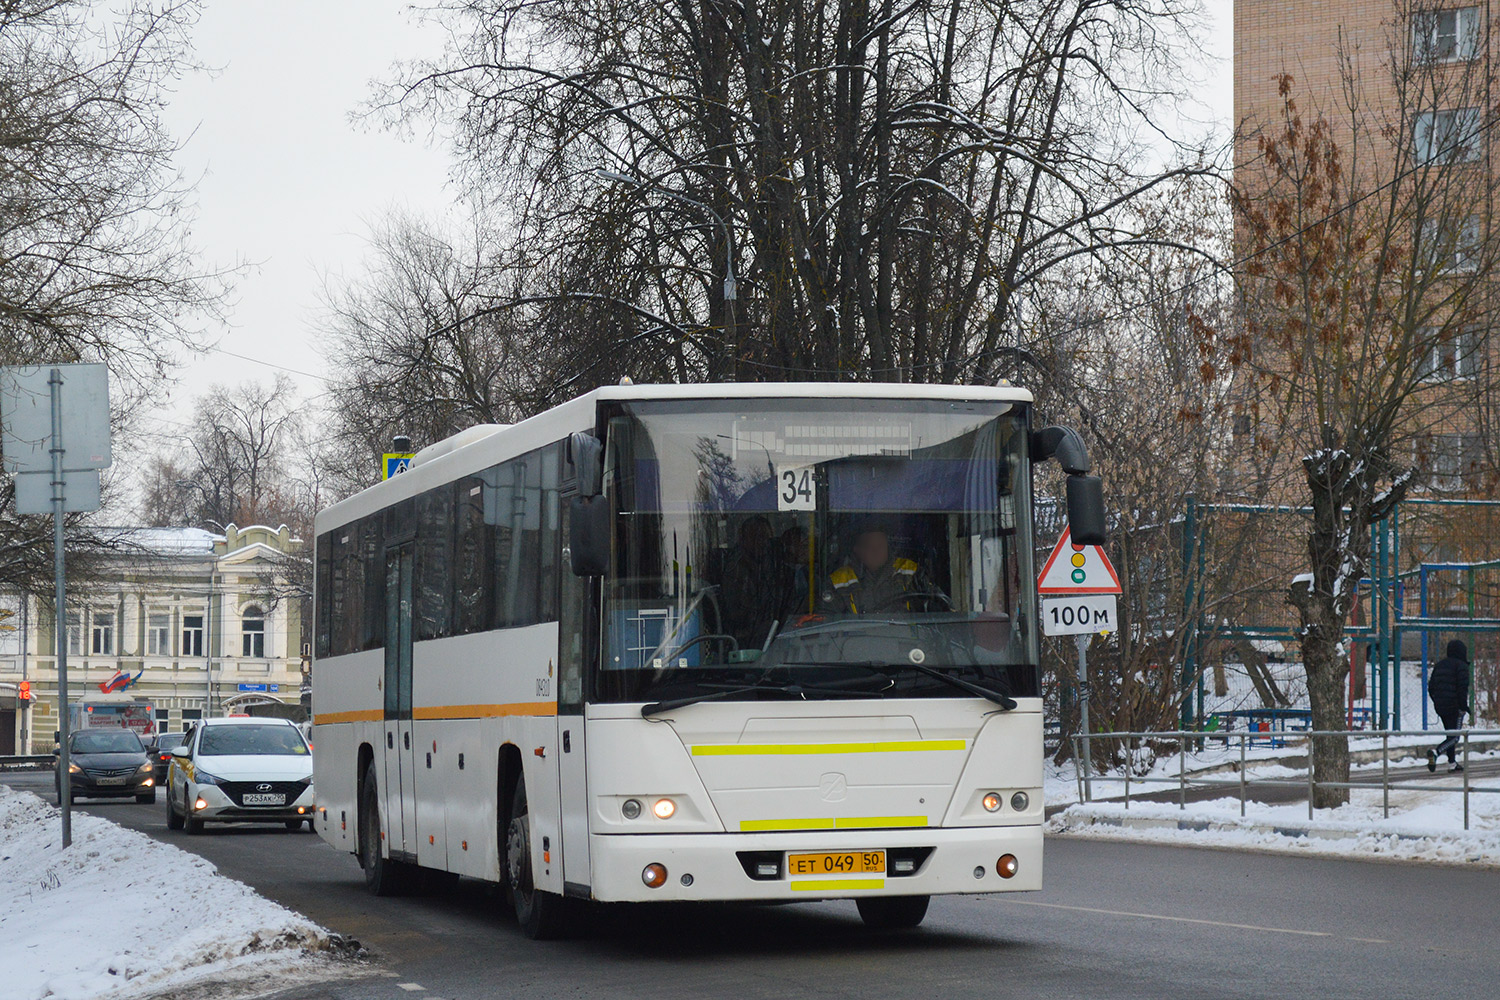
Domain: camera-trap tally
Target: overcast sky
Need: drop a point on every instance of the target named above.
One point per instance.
(291, 186)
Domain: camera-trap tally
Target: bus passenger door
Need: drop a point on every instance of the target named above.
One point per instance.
(572, 652)
(400, 773)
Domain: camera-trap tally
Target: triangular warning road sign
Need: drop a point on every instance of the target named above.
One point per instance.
(1077, 569)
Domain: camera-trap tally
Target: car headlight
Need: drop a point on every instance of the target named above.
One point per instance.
(74, 768)
(305, 781)
(202, 777)
(145, 768)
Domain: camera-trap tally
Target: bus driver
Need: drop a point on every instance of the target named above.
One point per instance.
(871, 581)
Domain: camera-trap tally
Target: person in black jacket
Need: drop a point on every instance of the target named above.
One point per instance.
(1448, 687)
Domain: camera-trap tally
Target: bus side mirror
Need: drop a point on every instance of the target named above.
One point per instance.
(1086, 510)
(586, 457)
(588, 535)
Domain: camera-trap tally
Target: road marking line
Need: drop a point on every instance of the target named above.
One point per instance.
(411, 987)
(1179, 920)
(1368, 940)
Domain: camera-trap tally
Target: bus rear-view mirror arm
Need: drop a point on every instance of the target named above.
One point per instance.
(1086, 523)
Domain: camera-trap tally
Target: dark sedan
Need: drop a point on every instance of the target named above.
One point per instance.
(108, 762)
(161, 753)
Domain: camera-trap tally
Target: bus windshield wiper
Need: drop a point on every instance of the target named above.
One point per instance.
(1005, 701)
(790, 688)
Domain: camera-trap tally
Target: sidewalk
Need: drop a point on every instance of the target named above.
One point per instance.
(1422, 826)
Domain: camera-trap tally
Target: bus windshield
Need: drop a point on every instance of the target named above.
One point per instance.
(826, 548)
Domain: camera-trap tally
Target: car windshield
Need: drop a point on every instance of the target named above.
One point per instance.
(810, 540)
(169, 741)
(227, 741)
(106, 741)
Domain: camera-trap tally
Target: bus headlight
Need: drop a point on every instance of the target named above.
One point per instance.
(991, 802)
(1020, 802)
(631, 808)
(664, 808)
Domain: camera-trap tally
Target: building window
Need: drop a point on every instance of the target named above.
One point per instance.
(1452, 245)
(191, 717)
(75, 633)
(1449, 459)
(1445, 35)
(163, 720)
(1445, 359)
(253, 629)
(102, 635)
(1448, 136)
(158, 634)
(192, 635)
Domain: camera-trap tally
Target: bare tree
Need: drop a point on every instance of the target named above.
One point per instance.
(1364, 230)
(887, 185)
(236, 464)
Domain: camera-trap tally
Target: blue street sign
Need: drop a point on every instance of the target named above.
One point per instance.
(396, 463)
(252, 687)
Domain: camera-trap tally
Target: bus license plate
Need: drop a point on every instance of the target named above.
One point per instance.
(836, 863)
(263, 799)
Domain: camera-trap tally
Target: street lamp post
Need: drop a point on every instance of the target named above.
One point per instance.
(731, 282)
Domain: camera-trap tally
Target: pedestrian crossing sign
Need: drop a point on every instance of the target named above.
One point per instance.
(396, 463)
(1077, 569)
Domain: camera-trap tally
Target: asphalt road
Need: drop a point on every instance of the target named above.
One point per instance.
(1116, 920)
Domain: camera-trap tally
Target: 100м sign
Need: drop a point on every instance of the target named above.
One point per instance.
(1078, 615)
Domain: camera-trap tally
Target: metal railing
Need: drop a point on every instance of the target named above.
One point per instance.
(17, 762)
(1083, 743)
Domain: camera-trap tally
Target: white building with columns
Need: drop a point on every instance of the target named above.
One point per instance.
(211, 623)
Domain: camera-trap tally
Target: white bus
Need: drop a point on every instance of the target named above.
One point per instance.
(764, 642)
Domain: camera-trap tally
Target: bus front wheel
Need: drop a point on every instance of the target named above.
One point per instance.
(889, 913)
(383, 877)
(540, 913)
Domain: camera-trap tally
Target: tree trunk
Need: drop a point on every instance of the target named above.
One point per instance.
(1323, 658)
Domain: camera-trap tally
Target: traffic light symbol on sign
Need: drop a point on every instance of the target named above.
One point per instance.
(23, 691)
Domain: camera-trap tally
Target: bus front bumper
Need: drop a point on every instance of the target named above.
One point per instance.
(733, 866)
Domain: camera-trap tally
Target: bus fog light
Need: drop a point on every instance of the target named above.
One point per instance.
(686, 880)
(631, 809)
(1007, 866)
(991, 802)
(979, 871)
(664, 808)
(903, 866)
(1020, 802)
(655, 876)
(767, 869)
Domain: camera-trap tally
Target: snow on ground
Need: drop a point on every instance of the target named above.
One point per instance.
(1424, 825)
(119, 915)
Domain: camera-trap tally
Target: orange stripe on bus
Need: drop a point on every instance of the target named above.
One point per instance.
(366, 715)
(444, 712)
(485, 711)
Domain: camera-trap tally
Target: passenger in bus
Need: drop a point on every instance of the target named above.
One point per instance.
(752, 585)
(872, 580)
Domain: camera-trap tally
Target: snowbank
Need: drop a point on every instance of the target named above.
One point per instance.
(120, 915)
(1423, 825)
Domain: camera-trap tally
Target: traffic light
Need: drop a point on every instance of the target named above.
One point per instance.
(23, 691)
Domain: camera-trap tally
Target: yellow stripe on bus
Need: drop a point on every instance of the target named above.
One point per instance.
(802, 749)
(830, 823)
(837, 884)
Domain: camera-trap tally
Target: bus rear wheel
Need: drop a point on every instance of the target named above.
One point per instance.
(891, 913)
(540, 913)
(383, 877)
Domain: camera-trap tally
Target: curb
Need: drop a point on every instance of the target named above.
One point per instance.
(1080, 826)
